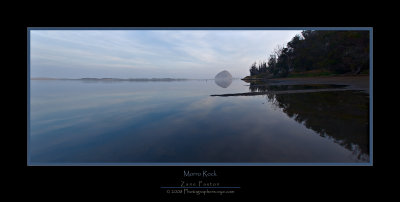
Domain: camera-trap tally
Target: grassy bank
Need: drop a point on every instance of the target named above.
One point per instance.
(312, 73)
(304, 74)
(257, 77)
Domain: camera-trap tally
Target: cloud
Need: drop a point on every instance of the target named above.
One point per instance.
(145, 52)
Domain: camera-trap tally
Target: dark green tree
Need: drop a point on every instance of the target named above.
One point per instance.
(339, 52)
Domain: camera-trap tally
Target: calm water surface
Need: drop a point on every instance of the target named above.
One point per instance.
(179, 122)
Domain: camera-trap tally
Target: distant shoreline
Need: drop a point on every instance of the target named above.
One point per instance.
(113, 79)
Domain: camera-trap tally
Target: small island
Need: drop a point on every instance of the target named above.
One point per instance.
(223, 79)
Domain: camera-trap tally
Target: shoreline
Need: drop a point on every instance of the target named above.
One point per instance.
(360, 82)
(353, 82)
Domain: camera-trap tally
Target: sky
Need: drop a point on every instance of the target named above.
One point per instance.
(192, 54)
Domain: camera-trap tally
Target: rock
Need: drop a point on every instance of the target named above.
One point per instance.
(223, 74)
(223, 79)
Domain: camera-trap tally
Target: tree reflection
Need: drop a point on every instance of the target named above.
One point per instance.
(340, 115)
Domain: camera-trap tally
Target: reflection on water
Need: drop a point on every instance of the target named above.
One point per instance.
(341, 115)
(223, 82)
(136, 122)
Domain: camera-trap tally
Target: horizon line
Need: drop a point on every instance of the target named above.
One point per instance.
(106, 78)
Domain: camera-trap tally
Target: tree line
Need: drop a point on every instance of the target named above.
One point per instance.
(338, 52)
